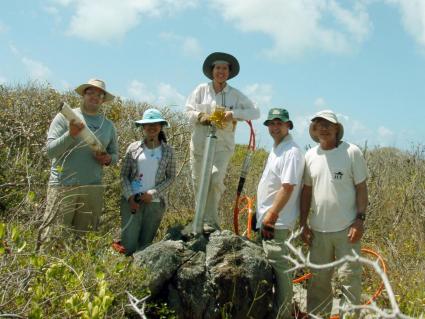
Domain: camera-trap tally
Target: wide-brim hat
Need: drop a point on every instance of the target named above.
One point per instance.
(97, 84)
(280, 114)
(329, 116)
(220, 56)
(151, 116)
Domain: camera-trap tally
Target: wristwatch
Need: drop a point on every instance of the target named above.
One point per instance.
(361, 216)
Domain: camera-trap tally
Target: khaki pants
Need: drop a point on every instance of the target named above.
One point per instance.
(216, 187)
(275, 250)
(138, 230)
(76, 208)
(326, 248)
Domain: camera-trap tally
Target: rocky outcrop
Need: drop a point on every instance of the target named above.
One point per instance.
(207, 276)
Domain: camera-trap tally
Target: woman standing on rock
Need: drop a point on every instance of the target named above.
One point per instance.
(218, 67)
(149, 168)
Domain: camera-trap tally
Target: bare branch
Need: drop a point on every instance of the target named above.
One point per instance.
(134, 303)
(302, 261)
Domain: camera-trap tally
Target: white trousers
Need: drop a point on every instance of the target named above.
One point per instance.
(216, 187)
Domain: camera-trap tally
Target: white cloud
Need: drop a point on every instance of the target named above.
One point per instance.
(385, 137)
(301, 125)
(54, 11)
(138, 91)
(3, 27)
(261, 94)
(190, 46)
(64, 3)
(66, 85)
(163, 94)
(320, 103)
(3, 80)
(413, 18)
(169, 96)
(300, 25)
(114, 18)
(385, 132)
(14, 49)
(36, 69)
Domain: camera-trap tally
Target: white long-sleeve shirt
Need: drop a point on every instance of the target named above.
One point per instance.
(204, 99)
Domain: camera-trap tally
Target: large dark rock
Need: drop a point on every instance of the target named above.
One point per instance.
(162, 260)
(201, 277)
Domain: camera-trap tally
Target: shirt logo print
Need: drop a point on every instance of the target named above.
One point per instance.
(338, 175)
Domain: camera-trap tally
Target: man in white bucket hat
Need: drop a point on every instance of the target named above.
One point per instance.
(335, 189)
(75, 192)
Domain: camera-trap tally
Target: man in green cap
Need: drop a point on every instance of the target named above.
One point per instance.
(278, 196)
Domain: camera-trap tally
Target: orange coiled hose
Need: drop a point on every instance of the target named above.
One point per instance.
(247, 208)
(245, 167)
(377, 292)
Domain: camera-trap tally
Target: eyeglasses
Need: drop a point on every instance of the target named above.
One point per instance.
(100, 95)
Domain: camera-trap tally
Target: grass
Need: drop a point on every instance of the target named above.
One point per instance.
(68, 278)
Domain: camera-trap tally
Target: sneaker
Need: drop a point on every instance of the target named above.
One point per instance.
(118, 247)
(208, 229)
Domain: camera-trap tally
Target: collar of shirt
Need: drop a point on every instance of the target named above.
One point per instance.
(225, 90)
(286, 140)
(142, 146)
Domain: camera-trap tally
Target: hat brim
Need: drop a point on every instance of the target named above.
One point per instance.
(80, 90)
(220, 56)
(151, 121)
(316, 139)
(291, 125)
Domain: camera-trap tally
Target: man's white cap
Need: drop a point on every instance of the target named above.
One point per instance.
(329, 116)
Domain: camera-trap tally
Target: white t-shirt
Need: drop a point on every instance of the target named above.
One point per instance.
(333, 175)
(147, 166)
(285, 164)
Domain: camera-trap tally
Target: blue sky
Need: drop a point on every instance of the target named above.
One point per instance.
(364, 59)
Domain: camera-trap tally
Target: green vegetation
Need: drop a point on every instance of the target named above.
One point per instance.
(87, 279)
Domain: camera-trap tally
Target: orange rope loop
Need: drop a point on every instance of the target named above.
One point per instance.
(244, 204)
(377, 292)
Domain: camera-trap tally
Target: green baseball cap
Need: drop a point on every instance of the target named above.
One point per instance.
(280, 114)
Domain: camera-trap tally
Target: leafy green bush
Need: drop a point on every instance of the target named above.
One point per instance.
(85, 278)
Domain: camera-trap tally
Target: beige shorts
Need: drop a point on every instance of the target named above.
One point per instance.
(76, 208)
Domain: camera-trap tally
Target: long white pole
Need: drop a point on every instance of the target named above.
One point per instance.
(201, 197)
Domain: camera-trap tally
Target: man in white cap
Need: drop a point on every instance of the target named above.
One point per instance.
(75, 192)
(219, 67)
(278, 206)
(335, 189)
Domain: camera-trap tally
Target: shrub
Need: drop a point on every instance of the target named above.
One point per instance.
(85, 278)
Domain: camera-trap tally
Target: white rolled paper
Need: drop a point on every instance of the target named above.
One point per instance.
(86, 134)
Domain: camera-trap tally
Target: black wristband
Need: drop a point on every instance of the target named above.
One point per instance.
(361, 216)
